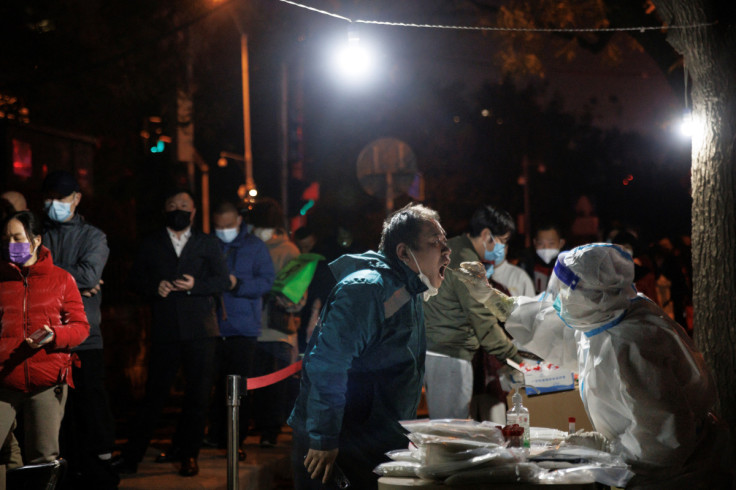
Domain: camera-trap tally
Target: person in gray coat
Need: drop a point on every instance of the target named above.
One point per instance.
(87, 435)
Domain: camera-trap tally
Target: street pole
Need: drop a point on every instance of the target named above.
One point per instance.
(205, 171)
(248, 155)
(185, 113)
(236, 386)
(284, 116)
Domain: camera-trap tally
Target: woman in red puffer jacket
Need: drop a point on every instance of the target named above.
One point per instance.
(41, 319)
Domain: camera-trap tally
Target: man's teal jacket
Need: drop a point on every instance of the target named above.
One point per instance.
(363, 372)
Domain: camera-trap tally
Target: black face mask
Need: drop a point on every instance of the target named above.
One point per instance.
(177, 219)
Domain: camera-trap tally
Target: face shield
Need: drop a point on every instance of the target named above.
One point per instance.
(596, 284)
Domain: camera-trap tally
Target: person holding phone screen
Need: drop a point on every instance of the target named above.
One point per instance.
(180, 271)
(41, 319)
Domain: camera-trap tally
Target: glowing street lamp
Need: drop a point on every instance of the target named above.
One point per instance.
(246, 192)
(687, 126)
(693, 127)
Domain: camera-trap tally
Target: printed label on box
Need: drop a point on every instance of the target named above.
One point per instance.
(545, 377)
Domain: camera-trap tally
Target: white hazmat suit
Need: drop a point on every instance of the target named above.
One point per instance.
(644, 386)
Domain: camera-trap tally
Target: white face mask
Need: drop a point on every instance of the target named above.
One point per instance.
(227, 235)
(548, 254)
(431, 290)
(264, 234)
(58, 211)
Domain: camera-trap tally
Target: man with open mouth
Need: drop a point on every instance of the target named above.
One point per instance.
(364, 364)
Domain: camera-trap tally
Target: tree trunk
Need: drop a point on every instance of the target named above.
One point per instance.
(710, 59)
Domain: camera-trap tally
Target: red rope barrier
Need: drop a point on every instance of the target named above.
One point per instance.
(275, 377)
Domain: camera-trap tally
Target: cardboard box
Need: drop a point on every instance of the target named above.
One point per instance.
(544, 376)
(553, 410)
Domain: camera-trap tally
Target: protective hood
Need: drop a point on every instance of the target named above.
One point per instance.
(596, 285)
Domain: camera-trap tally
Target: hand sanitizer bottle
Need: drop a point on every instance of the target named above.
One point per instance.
(519, 414)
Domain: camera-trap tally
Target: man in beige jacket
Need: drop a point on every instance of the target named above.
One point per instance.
(458, 325)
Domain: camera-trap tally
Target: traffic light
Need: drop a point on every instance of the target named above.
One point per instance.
(307, 206)
(155, 140)
(302, 196)
(160, 144)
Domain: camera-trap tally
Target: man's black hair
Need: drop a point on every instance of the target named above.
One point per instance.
(404, 226)
(173, 192)
(226, 207)
(548, 226)
(498, 221)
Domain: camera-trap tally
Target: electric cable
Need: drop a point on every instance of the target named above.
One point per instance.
(500, 29)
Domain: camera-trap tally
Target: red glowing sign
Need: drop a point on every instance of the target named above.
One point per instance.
(22, 166)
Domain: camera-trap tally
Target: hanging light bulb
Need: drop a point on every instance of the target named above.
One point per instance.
(354, 60)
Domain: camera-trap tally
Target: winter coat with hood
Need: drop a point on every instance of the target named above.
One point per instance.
(31, 297)
(362, 372)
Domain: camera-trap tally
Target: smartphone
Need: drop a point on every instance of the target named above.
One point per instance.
(179, 278)
(41, 336)
(339, 478)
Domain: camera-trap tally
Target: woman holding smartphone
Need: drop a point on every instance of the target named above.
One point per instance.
(41, 319)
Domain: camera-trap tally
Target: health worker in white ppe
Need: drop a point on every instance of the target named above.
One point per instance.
(644, 385)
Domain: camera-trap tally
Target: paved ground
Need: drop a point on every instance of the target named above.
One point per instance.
(263, 469)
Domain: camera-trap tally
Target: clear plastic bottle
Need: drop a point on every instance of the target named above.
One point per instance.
(519, 414)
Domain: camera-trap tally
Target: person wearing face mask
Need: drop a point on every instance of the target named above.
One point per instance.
(512, 277)
(644, 385)
(539, 261)
(276, 348)
(239, 313)
(88, 430)
(41, 319)
(458, 325)
(181, 271)
(363, 367)
(267, 220)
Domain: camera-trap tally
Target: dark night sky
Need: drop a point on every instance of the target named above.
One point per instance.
(402, 100)
(631, 95)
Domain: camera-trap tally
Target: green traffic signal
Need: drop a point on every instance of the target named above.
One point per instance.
(159, 147)
(307, 206)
